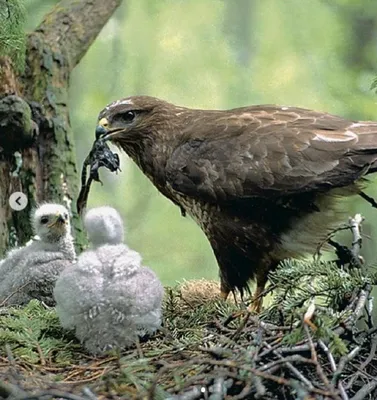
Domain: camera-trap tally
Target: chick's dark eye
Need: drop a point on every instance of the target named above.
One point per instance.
(44, 220)
(128, 116)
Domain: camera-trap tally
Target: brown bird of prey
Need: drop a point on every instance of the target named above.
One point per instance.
(264, 182)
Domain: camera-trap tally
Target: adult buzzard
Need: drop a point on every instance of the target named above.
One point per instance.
(263, 182)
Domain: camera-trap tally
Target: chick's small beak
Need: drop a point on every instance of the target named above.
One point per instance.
(59, 219)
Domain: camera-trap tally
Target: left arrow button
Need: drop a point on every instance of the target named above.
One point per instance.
(18, 201)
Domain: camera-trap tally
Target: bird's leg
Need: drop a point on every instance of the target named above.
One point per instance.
(224, 294)
(257, 302)
(224, 290)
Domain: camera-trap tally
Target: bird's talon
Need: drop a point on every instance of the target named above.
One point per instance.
(224, 294)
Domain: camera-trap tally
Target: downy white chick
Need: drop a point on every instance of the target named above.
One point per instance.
(108, 297)
(30, 272)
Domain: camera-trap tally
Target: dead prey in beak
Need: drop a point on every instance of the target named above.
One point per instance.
(100, 156)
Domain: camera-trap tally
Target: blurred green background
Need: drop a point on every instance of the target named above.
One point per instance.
(319, 54)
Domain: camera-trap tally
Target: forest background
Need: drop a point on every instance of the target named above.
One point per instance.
(318, 54)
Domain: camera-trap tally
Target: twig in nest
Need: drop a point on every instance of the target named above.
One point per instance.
(357, 306)
(363, 297)
(351, 256)
(365, 390)
(52, 394)
(248, 388)
(88, 393)
(218, 352)
(334, 369)
(217, 389)
(296, 358)
(242, 326)
(8, 390)
(290, 366)
(13, 369)
(319, 368)
(296, 349)
(236, 315)
(245, 378)
(192, 394)
(40, 353)
(344, 360)
(265, 292)
(355, 224)
(364, 364)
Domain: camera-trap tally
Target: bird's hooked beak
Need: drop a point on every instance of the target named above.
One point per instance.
(105, 131)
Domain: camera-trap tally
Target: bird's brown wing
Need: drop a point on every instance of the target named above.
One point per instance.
(261, 154)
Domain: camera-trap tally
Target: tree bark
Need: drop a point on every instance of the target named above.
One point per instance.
(37, 151)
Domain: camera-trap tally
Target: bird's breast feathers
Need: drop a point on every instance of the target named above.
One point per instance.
(200, 212)
(298, 237)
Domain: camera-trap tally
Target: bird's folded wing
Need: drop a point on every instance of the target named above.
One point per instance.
(273, 158)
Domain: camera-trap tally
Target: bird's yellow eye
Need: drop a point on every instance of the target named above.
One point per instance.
(44, 220)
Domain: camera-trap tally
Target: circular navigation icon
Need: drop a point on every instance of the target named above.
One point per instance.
(18, 201)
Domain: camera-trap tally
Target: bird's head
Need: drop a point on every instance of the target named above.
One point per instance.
(130, 121)
(51, 222)
(104, 225)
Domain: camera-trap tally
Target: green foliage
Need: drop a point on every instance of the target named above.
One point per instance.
(12, 35)
(298, 283)
(34, 332)
(300, 280)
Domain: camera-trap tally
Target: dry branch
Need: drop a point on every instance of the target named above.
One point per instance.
(72, 26)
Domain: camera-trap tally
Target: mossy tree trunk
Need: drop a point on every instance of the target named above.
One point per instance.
(37, 152)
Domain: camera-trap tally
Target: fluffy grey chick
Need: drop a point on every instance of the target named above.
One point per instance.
(108, 297)
(31, 271)
(104, 225)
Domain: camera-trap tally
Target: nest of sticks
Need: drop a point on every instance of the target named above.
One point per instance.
(316, 340)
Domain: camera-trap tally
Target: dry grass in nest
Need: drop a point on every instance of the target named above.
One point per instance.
(197, 292)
